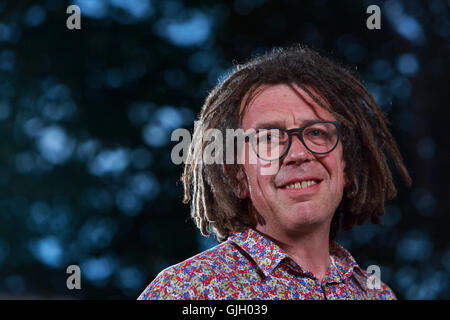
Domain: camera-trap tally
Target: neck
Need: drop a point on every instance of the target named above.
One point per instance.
(310, 250)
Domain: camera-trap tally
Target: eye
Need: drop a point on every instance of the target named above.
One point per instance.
(315, 132)
(264, 136)
(267, 135)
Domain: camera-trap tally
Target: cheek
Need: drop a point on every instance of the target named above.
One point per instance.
(339, 165)
(260, 173)
(259, 184)
(335, 167)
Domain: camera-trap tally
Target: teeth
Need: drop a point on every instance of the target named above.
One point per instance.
(300, 185)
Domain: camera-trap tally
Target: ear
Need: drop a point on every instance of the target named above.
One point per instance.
(346, 182)
(241, 189)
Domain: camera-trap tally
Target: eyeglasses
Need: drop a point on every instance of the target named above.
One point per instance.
(319, 137)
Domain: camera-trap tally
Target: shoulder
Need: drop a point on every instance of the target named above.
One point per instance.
(370, 283)
(194, 278)
(374, 287)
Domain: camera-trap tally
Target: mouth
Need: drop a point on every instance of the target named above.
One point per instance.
(300, 184)
(301, 187)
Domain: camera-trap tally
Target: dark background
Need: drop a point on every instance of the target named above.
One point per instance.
(86, 117)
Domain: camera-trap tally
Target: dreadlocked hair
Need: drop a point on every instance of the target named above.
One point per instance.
(366, 139)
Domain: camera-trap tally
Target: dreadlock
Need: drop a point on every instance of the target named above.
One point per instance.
(366, 140)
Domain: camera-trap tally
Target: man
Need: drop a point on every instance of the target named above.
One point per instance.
(329, 141)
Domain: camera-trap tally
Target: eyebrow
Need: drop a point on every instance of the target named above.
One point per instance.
(280, 124)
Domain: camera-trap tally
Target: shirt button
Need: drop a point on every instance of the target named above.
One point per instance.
(324, 289)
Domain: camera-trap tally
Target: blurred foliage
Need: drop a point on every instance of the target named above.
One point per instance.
(86, 117)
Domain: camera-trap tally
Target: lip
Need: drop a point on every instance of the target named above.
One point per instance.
(296, 192)
(297, 179)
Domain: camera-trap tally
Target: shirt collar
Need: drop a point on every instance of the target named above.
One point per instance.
(343, 264)
(267, 255)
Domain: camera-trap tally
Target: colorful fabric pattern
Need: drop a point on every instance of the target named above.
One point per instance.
(250, 266)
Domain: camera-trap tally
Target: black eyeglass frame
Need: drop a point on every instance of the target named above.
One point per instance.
(289, 132)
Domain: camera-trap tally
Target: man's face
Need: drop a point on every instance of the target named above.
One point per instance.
(291, 210)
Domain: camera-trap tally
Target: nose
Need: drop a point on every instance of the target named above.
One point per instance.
(297, 152)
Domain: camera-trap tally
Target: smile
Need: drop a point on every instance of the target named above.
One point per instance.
(300, 185)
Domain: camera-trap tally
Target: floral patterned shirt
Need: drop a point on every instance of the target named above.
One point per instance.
(250, 266)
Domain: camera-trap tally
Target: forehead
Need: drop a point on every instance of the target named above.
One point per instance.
(283, 105)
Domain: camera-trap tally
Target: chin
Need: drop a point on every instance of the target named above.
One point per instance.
(307, 215)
